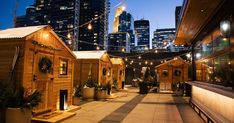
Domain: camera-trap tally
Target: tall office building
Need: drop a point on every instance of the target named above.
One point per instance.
(163, 40)
(61, 15)
(177, 15)
(119, 42)
(123, 34)
(95, 14)
(142, 31)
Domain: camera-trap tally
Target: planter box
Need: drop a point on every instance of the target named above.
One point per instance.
(101, 94)
(143, 88)
(88, 93)
(76, 100)
(18, 115)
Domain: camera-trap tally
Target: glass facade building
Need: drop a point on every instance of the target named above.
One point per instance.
(94, 13)
(142, 31)
(62, 16)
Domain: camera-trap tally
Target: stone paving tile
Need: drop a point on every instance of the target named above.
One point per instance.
(135, 108)
(95, 111)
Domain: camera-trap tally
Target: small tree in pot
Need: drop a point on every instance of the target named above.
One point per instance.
(101, 92)
(76, 95)
(89, 87)
(19, 103)
(143, 85)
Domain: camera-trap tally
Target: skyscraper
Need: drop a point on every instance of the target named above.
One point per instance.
(123, 34)
(118, 12)
(142, 31)
(119, 42)
(177, 15)
(61, 15)
(95, 14)
(163, 40)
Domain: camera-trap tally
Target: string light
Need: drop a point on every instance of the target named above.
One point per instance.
(188, 55)
(139, 57)
(123, 50)
(146, 62)
(69, 35)
(156, 51)
(89, 26)
(98, 48)
(139, 63)
(151, 63)
(126, 59)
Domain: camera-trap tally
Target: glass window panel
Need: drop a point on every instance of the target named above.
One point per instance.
(222, 70)
(63, 67)
(220, 43)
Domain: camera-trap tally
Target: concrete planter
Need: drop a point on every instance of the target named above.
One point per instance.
(76, 100)
(18, 115)
(101, 94)
(88, 93)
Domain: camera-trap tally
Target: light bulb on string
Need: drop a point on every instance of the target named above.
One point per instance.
(146, 62)
(89, 26)
(139, 63)
(156, 51)
(151, 63)
(126, 59)
(132, 61)
(139, 57)
(98, 48)
(123, 50)
(69, 35)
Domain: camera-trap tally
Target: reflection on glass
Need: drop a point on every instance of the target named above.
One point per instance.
(220, 43)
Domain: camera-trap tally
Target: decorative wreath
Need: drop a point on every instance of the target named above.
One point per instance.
(45, 65)
(177, 73)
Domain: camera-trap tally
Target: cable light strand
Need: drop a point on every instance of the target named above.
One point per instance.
(96, 18)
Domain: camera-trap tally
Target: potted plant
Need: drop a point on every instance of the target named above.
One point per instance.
(76, 95)
(88, 90)
(143, 85)
(101, 92)
(115, 86)
(19, 102)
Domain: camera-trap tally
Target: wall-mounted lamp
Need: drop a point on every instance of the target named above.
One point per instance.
(225, 27)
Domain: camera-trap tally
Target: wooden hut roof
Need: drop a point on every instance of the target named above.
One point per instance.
(168, 62)
(23, 32)
(89, 54)
(19, 32)
(117, 61)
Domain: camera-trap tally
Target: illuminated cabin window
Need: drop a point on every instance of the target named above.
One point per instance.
(63, 67)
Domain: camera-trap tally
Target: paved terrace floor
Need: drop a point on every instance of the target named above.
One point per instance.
(132, 107)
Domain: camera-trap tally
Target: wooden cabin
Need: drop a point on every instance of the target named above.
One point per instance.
(100, 63)
(44, 63)
(172, 71)
(118, 71)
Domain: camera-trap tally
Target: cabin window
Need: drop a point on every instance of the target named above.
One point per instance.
(63, 67)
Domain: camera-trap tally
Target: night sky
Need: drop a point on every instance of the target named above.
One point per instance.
(159, 12)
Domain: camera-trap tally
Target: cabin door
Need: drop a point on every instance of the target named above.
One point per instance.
(43, 81)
